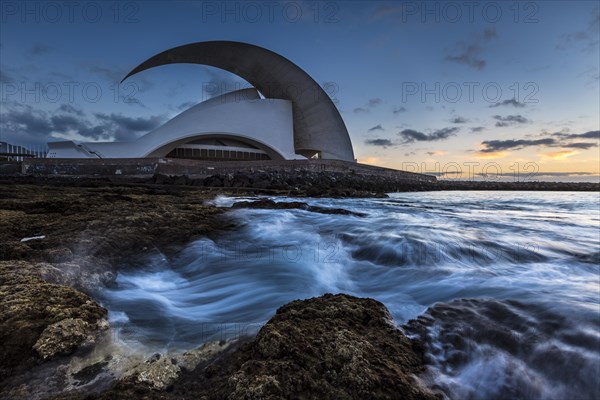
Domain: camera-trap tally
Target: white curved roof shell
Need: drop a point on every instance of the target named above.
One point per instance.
(264, 123)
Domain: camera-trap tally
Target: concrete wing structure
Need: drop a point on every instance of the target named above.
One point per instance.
(318, 126)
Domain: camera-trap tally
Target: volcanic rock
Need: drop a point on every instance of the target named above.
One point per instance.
(288, 205)
(40, 321)
(329, 347)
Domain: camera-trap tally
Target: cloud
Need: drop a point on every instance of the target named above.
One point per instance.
(399, 110)
(379, 142)
(591, 74)
(477, 129)
(39, 49)
(4, 78)
(67, 108)
(459, 120)
(510, 120)
(375, 102)
(372, 103)
(127, 128)
(445, 173)
(111, 74)
(134, 124)
(558, 139)
(580, 145)
(130, 88)
(24, 124)
(559, 155)
(436, 153)
(533, 176)
(186, 105)
(383, 11)
(489, 33)
(511, 102)
(587, 38)
(376, 128)
(586, 135)
(470, 53)
(491, 146)
(368, 160)
(491, 154)
(64, 123)
(73, 123)
(411, 135)
(554, 174)
(221, 82)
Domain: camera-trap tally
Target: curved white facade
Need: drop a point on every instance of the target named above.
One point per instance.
(264, 124)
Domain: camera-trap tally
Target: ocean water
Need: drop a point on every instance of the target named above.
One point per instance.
(503, 288)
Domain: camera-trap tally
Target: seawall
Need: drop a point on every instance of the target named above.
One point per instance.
(148, 167)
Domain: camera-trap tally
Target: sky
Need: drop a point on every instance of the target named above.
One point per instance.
(469, 89)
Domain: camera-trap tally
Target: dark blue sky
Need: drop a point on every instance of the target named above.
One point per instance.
(449, 82)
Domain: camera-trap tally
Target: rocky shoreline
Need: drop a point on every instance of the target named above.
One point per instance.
(59, 244)
(60, 241)
(336, 184)
(333, 347)
(302, 183)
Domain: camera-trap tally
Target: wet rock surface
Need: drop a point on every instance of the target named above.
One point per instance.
(64, 336)
(287, 205)
(40, 321)
(97, 228)
(90, 373)
(160, 372)
(330, 347)
(300, 183)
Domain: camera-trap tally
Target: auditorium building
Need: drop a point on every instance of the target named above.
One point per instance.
(285, 115)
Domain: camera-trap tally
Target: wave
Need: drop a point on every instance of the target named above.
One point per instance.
(489, 349)
(503, 289)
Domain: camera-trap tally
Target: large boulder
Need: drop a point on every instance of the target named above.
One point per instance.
(329, 347)
(41, 321)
